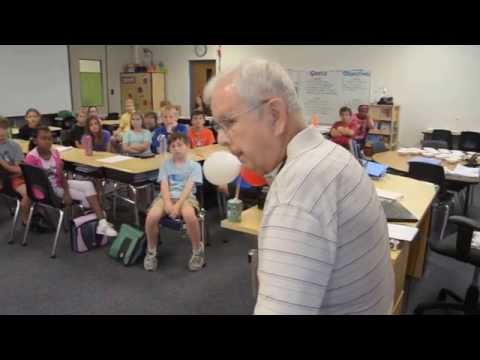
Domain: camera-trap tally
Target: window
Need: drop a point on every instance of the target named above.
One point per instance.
(91, 86)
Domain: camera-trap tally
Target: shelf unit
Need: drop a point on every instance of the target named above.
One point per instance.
(386, 119)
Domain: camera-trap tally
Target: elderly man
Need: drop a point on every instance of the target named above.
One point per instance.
(323, 243)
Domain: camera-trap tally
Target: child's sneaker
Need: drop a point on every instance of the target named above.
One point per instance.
(197, 261)
(150, 262)
(105, 228)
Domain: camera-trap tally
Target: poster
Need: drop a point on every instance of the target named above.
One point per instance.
(325, 92)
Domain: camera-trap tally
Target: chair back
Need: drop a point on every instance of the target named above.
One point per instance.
(436, 144)
(428, 172)
(39, 188)
(443, 135)
(469, 141)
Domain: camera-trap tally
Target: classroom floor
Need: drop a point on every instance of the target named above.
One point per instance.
(93, 283)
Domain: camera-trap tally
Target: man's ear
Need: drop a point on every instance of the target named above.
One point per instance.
(279, 112)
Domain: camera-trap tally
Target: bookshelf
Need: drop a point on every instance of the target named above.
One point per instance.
(386, 119)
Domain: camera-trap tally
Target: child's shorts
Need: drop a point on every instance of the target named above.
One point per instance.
(158, 203)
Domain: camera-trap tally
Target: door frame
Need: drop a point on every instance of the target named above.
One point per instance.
(190, 76)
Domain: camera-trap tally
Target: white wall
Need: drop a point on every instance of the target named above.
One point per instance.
(117, 57)
(435, 85)
(113, 58)
(34, 76)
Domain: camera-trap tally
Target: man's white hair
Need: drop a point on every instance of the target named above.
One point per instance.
(256, 80)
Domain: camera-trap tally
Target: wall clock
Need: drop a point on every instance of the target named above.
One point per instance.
(201, 50)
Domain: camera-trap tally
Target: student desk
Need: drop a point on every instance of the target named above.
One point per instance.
(110, 123)
(133, 170)
(400, 163)
(409, 259)
(15, 130)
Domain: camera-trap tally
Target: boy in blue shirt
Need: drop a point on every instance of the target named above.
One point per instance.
(169, 126)
(178, 176)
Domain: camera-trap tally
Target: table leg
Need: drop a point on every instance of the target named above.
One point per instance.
(467, 201)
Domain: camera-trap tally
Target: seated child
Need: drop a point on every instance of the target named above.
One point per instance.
(100, 138)
(92, 111)
(27, 131)
(10, 157)
(198, 134)
(137, 140)
(178, 176)
(151, 121)
(170, 125)
(123, 127)
(78, 130)
(47, 158)
(343, 130)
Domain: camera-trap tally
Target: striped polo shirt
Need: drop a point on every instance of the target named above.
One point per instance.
(323, 244)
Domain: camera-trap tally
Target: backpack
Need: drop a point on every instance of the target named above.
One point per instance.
(83, 234)
(129, 246)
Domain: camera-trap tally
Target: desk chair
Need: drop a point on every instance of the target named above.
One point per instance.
(8, 193)
(442, 135)
(436, 144)
(179, 224)
(457, 246)
(469, 141)
(40, 192)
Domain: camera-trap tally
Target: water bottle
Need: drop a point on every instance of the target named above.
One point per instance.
(162, 144)
(87, 145)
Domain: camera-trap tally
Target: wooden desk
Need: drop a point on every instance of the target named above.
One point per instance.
(409, 260)
(110, 122)
(400, 162)
(15, 130)
(201, 153)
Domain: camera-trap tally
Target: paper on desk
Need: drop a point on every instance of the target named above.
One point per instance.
(391, 195)
(402, 232)
(61, 148)
(476, 240)
(465, 171)
(114, 159)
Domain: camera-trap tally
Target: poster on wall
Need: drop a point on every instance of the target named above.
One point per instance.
(324, 92)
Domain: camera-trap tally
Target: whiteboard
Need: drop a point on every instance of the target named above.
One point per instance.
(324, 92)
(34, 76)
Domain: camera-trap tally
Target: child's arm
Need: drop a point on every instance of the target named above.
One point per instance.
(345, 131)
(140, 148)
(334, 132)
(187, 190)
(167, 200)
(12, 169)
(78, 144)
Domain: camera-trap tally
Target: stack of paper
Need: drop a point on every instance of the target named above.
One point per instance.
(114, 159)
(465, 171)
(402, 232)
(423, 159)
(391, 195)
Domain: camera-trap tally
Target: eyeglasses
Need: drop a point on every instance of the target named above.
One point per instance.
(228, 123)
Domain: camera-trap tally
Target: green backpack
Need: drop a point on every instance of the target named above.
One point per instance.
(129, 246)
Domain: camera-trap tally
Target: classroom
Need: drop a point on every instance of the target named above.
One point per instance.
(239, 180)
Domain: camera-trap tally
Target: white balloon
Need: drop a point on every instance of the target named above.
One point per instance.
(221, 168)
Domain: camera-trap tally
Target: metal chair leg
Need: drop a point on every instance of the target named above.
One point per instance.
(114, 200)
(29, 221)
(203, 236)
(15, 217)
(253, 260)
(57, 234)
(135, 206)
